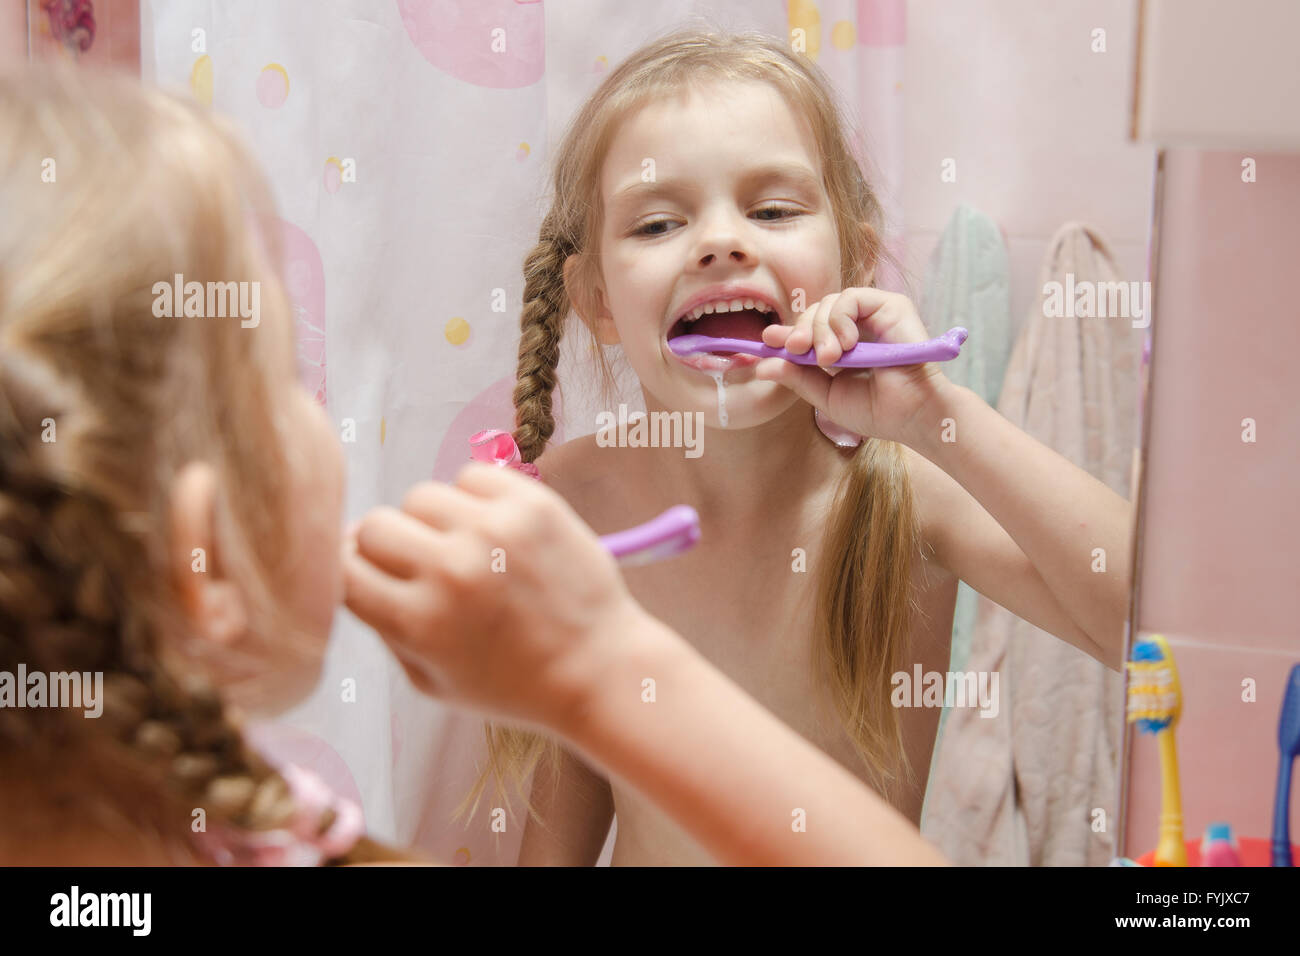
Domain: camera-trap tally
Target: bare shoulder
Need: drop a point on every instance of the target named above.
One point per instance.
(933, 500)
(570, 470)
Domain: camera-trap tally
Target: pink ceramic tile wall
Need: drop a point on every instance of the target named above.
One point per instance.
(1220, 568)
(1036, 121)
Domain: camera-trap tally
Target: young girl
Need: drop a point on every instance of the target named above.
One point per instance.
(170, 496)
(170, 499)
(823, 571)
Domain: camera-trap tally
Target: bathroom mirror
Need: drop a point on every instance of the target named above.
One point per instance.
(409, 152)
(1215, 545)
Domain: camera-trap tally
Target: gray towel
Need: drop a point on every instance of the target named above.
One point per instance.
(1025, 788)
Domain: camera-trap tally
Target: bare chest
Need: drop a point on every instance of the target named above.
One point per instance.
(748, 605)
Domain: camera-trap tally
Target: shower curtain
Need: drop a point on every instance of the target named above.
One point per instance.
(406, 142)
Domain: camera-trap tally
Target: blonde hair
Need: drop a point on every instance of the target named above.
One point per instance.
(109, 187)
(864, 604)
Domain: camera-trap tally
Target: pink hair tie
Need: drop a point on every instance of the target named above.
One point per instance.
(495, 447)
(297, 843)
(312, 797)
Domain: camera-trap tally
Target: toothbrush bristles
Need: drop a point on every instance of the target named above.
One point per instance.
(1153, 696)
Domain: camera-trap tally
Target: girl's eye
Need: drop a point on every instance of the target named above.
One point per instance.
(645, 230)
(786, 212)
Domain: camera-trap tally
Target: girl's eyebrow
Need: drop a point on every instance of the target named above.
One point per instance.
(797, 173)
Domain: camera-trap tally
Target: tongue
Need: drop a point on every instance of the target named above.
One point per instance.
(746, 324)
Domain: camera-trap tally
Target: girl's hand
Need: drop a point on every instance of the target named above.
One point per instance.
(880, 402)
(492, 593)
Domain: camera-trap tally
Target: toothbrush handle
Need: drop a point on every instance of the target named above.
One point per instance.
(862, 355)
(680, 522)
(1281, 815)
(883, 355)
(1170, 850)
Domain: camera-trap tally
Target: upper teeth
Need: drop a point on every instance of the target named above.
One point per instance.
(735, 305)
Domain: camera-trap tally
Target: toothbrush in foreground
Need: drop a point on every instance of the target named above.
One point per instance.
(1288, 741)
(862, 355)
(673, 532)
(1155, 702)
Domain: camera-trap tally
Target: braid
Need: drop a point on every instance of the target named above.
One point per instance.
(541, 326)
(75, 585)
(514, 752)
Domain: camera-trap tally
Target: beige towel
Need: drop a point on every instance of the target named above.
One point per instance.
(1036, 785)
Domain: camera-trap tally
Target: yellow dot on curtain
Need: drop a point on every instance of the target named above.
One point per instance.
(462, 856)
(522, 153)
(804, 15)
(457, 331)
(383, 429)
(844, 35)
(201, 80)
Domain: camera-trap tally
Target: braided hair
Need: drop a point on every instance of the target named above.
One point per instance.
(99, 401)
(69, 566)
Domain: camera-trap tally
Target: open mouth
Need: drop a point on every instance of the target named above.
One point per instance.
(745, 324)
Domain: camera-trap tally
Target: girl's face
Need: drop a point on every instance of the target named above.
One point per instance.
(720, 187)
(317, 586)
(281, 673)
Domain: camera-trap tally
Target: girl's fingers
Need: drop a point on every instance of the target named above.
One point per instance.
(866, 301)
(483, 481)
(419, 671)
(396, 542)
(377, 598)
(828, 346)
(775, 336)
(810, 383)
(843, 321)
(888, 317)
(801, 338)
(440, 506)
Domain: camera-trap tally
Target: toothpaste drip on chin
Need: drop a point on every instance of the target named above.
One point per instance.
(722, 398)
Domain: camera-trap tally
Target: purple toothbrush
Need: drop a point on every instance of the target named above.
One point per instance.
(862, 355)
(673, 532)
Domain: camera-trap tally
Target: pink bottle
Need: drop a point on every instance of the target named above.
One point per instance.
(1219, 848)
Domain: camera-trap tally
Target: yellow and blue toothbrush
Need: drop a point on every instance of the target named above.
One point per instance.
(1155, 702)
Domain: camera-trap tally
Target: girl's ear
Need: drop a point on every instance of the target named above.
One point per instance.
(590, 307)
(214, 604)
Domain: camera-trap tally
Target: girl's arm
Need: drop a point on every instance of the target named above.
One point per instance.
(565, 648)
(749, 789)
(1005, 513)
(1037, 554)
(576, 806)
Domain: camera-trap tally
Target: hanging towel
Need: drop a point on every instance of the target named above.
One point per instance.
(1025, 788)
(967, 283)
